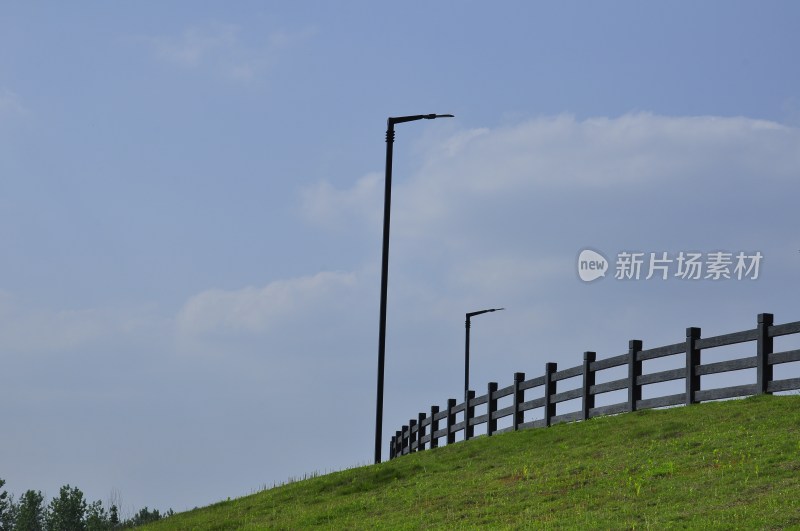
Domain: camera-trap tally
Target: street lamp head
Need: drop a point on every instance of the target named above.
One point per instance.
(473, 314)
(400, 119)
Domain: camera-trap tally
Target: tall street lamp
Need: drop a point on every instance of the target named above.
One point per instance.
(387, 202)
(470, 315)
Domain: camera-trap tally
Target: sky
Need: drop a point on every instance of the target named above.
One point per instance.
(191, 199)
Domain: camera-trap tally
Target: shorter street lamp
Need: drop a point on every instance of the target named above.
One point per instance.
(470, 315)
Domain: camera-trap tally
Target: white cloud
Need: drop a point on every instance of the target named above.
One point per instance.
(221, 48)
(258, 310)
(559, 152)
(10, 103)
(489, 175)
(194, 46)
(27, 329)
(324, 205)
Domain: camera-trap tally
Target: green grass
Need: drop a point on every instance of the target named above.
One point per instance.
(723, 465)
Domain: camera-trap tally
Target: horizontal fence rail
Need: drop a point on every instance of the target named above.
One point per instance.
(429, 428)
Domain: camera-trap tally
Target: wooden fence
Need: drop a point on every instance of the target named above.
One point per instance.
(426, 430)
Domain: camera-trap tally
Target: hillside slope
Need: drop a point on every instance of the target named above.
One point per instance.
(732, 464)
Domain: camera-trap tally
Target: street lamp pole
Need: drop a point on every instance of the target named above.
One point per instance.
(387, 203)
(467, 324)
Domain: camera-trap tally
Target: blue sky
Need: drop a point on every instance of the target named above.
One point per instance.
(191, 201)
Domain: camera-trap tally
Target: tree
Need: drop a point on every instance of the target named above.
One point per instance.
(66, 513)
(113, 518)
(30, 512)
(96, 517)
(6, 509)
(114, 503)
(3, 502)
(144, 516)
(9, 515)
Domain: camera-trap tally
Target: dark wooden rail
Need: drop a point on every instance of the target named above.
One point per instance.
(428, 428)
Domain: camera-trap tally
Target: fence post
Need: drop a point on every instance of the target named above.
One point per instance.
(405, 448)
(491, 408)
(588, 381)
(420, 432)
(549, 391)
(451, 419)
(692, 361)
(398, 449)
(398, 443)
(412, 435)
(391, 448)
(434, 427)
(469, 414)
(634, 371)
(764, 349)
(519, 398)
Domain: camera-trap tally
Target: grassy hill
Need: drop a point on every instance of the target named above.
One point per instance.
(733, 464)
